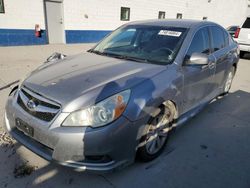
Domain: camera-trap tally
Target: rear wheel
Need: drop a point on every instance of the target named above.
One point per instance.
(229, 80)
(157, 133)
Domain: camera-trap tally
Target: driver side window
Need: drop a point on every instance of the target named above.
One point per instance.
(200, 43)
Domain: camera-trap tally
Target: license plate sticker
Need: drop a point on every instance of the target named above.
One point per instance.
(24, 127)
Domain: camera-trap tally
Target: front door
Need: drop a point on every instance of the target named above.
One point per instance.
(199, 83)
(54, 21)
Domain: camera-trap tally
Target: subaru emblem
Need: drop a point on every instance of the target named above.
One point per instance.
(31, 104)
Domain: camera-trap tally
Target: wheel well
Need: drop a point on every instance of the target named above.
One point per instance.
(168, 103)
(173, 106)
(235, 67)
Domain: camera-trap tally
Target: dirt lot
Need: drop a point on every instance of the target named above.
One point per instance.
(211, 150)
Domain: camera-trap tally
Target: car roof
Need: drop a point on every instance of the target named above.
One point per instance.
(185, 23)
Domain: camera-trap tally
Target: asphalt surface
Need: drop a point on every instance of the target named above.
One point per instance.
(211, 150)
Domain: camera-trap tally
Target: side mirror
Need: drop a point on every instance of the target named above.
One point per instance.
(198, 59)
(55, 56)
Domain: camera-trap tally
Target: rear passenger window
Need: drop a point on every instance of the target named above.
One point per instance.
(246, 23)
(231, 40)
(226, 38)
(200, 43)
(218, 40)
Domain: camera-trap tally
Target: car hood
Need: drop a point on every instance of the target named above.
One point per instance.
(75, 76)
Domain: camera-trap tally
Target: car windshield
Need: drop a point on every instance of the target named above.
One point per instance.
(149, 44)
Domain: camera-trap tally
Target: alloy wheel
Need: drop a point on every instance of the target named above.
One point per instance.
(158, 132)
(228, 82)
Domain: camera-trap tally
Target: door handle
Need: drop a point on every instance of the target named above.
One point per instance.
(210, 65)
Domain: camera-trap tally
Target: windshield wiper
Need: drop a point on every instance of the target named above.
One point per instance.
(116, 55)
(129, 58)
(98, 52)
(141, 60)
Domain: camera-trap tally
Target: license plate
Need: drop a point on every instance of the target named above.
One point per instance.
(24, 127)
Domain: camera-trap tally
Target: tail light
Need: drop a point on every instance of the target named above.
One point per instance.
(237, 32)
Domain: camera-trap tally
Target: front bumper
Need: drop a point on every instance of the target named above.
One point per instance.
(102, 150)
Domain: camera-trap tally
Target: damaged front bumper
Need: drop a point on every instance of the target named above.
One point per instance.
(85, 149)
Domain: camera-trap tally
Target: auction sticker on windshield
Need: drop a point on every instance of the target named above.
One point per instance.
(170, 33)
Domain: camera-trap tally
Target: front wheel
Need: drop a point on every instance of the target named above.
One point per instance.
(157, 134)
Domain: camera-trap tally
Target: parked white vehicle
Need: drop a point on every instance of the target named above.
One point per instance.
(242, 36)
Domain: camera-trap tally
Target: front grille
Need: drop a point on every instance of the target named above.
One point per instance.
(42, 108)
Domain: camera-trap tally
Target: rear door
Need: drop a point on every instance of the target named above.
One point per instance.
(221, 53)
(244, 35)
(198, 79)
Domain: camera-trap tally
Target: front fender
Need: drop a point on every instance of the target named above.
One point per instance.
(150, 94)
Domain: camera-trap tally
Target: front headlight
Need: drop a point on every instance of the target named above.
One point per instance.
(101, 113)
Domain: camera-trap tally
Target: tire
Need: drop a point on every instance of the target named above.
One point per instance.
(229, 81)
(242, 53)
(158, 126)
